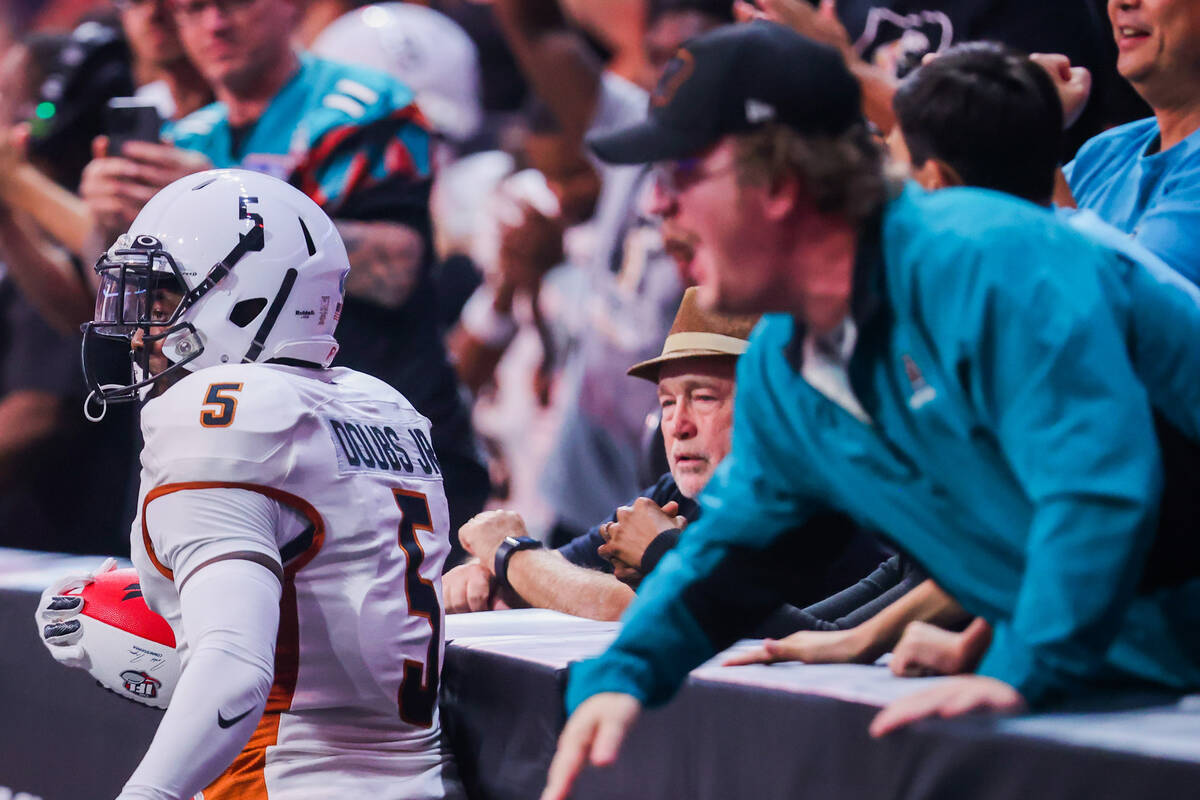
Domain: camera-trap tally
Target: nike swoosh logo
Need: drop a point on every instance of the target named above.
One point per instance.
(228, 723)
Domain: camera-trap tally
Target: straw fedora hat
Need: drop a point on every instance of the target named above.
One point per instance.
(697, 333)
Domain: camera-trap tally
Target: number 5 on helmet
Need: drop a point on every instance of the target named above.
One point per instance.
(99, 622)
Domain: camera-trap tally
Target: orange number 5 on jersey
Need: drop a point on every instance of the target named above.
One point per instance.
(222, 415)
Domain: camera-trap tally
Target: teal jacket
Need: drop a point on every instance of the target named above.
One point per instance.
(332, 130)
(1012, 370)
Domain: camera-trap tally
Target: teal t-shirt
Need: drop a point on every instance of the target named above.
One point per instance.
(1151, 195)
(331, 130)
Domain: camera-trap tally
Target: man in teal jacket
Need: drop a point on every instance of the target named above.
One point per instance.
(996, 392)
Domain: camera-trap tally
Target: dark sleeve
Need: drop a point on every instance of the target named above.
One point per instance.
(886, 577)
(788, 619)
(582, 550)
(398, 198)
(658, 548)
(850, 607)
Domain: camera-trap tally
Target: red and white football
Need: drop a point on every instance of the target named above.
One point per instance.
(130, 649)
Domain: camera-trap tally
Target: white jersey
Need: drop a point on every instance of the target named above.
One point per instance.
(360, 529)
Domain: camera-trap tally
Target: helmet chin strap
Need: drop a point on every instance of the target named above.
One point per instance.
(264, 330)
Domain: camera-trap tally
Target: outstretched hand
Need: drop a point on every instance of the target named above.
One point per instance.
(950, 698)
(592, 735)
(926, 649)
(811, 647)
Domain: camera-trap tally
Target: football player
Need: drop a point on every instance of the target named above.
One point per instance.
(291, 523)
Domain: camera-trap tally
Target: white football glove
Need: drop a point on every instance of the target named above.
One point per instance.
(58, 629)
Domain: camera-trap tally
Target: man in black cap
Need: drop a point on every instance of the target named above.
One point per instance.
(958, 369)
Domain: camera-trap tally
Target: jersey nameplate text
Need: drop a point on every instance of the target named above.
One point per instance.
(374, 446)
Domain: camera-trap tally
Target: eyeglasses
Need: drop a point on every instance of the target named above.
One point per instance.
(194, 8)
(674, 177)
(128, 5)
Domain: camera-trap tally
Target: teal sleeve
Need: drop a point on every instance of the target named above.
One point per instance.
(394, 149)
(704, 593)
(1049, 368)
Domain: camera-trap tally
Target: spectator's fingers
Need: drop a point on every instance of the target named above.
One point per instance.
(746, 12)
(167, 157)
(978, 633)
(671, 508)
(907, 710)
(1057, 65)
(135, 193)
(828, 9)
(902, 654)
(479, 590)
(607, 742)
(758, 655)
(100, 147)
(963, 703)
(107, 205)
(624, 512)
(606, 530)
(153, 153)
(153, 176)
(625, 573)
(452, 592)
(681, 522)
(573, 747)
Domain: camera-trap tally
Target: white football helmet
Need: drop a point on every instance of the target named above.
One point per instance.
(422, 48)
(258, 269)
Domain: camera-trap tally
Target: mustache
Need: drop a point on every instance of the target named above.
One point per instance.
(679, 243)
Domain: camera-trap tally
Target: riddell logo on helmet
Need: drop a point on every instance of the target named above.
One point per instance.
(139, 683)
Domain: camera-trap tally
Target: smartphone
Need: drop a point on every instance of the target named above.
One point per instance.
(130, 119)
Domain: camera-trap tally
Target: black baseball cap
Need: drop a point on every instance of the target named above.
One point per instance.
(735, 79)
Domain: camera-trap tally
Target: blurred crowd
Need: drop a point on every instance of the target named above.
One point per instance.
(503, 277)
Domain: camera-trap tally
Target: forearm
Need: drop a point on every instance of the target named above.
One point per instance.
(555, 60)
(926, 603)
(544, 579)
(27, 418)
(230, 612)
(45, 275)
(878, 88)
(385, 261)
(702, 597)
(486, 328)
(61, 214)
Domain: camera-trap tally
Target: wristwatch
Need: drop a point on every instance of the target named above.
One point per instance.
(510, 545)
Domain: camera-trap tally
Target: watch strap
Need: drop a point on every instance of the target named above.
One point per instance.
(504, 552)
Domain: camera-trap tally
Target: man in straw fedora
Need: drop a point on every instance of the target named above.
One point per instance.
(593, 575)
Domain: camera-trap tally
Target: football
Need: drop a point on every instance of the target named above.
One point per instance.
(130, 649)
